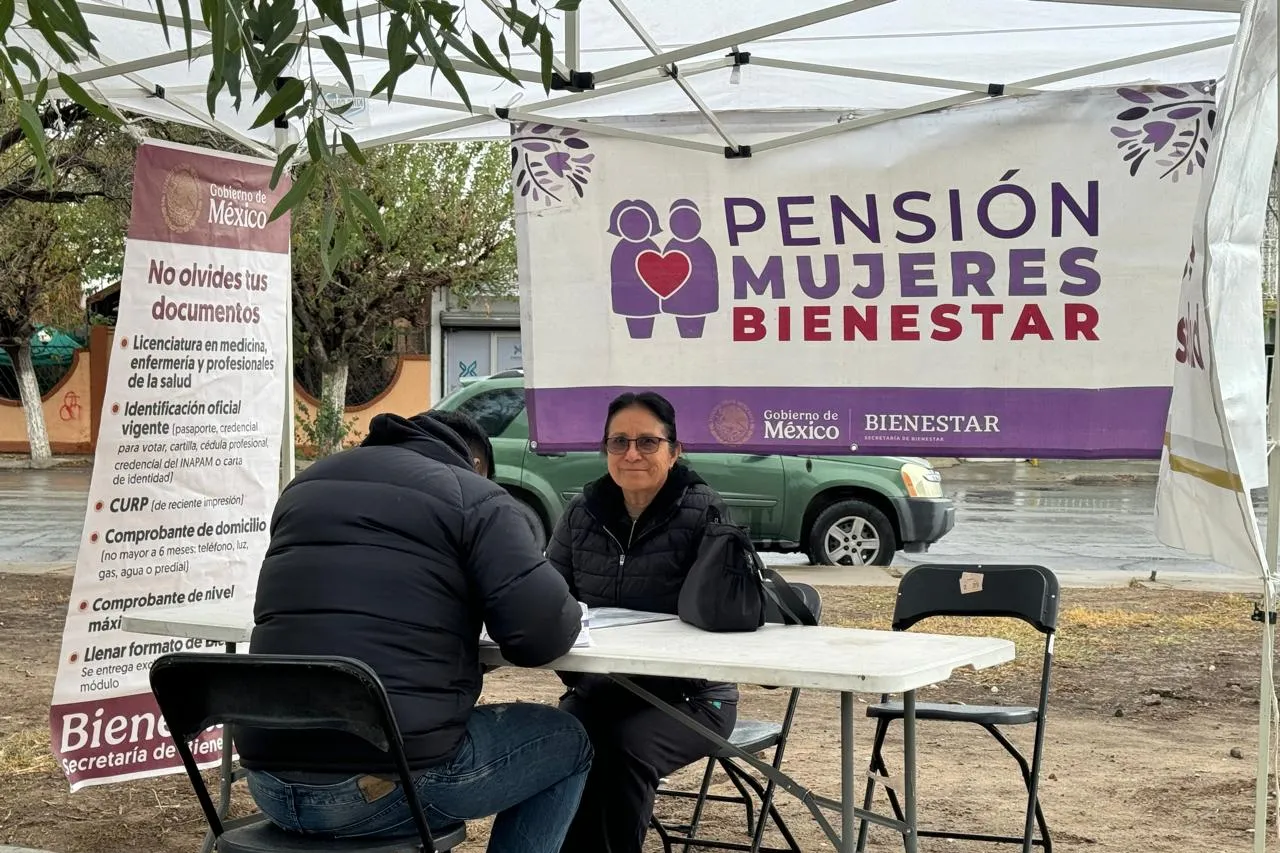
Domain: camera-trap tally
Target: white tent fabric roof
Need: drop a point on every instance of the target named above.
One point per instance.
(808, 58)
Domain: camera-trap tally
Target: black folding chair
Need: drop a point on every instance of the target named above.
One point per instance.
(1029, 593)
(754, 737)
(198, 691)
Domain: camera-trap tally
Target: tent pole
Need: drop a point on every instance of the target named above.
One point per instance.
(763, 31)
(124, 69)
(1229, 6)
(1266, 695)
(420, 134)
(621, 133)
(436, 346)
(572, 41)
(957, 100)
(884, 76)
(288, 430)
(690, 92)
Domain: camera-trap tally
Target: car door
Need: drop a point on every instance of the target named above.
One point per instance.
(754, 487)
(565, 473)
(554, 477)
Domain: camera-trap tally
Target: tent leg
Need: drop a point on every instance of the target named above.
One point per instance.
(1265, 702)
(288, 430)
(1266, 695)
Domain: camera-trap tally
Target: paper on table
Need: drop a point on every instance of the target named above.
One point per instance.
(615, 617)
(583, 641)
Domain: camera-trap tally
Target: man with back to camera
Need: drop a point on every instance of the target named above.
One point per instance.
(393, 553)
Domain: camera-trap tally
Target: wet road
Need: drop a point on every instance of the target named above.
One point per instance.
(1003, 514)
(1066, 527)
(42, 514)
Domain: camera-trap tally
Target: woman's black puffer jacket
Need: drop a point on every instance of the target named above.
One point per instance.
(609, 560)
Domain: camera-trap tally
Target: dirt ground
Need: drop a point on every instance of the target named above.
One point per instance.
(1151, 740)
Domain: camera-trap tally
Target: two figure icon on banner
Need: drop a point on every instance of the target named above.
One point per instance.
(680, 279)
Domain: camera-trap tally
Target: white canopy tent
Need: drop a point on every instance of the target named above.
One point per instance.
(811, 61)
(728, 77)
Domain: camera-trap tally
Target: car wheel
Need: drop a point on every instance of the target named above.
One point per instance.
(852, 533)
(535, 523)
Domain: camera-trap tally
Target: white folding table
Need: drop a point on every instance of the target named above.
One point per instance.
(842, 660)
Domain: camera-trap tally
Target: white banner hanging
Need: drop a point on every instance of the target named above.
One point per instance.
(1215, 447)
(989, 280)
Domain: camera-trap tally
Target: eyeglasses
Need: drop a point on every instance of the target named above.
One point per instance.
(617, 445)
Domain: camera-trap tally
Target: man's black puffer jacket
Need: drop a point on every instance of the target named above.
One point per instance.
(393, 553)
(611, 561)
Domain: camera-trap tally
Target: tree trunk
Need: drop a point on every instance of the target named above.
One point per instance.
(331, 425)
(29, 388)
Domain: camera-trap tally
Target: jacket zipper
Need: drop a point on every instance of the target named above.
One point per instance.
(622, 559)
(631, 539)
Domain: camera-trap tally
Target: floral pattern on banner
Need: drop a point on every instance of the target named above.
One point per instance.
(1167, 127)
(549, 162)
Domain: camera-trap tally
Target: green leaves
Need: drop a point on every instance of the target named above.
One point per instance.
(282, 161)
(284, 48)
(10, 74)
(338, 57)
(302, 184)
(286, 97)
(332, 12)
(33, 130)
(355, 197)
(84, 99)
(353, 149)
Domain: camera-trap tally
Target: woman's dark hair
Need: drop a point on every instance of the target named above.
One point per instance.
(470, 431)
(656, 404)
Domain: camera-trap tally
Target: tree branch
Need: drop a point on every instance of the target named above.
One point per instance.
(68, 113)
(44, 196)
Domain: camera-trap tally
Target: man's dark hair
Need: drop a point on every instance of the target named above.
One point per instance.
(470, 431)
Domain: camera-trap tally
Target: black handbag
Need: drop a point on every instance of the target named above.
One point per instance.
(728, 587)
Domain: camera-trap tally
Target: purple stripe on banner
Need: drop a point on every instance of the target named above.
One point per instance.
(1053, 423)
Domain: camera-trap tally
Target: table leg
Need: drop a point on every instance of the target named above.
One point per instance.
(848, 817)
(909, 769)
(228, 776)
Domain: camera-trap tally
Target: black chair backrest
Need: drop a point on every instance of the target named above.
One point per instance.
(196, 691)
(1025, 592)
(807, 593)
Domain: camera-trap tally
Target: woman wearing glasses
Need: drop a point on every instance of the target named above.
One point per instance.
(628, 541)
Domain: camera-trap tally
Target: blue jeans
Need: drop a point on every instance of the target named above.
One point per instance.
(525, 763)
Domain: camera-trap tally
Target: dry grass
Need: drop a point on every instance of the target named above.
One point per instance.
(1181, 666)
(1086, 633)
(26, 751)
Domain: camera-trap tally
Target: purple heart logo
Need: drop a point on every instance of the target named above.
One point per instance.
(558, 162)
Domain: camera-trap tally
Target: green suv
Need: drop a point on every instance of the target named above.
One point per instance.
(839, 510)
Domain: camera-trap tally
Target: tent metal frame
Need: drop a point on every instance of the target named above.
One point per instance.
(662, 65)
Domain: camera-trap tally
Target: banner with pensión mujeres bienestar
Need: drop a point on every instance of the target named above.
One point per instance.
(989, 280)
(186, 470)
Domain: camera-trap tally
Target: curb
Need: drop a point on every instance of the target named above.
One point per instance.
(1110, 479)
(22, 462)
(63, 568)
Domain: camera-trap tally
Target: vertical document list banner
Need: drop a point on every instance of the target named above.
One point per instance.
(187, 466)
